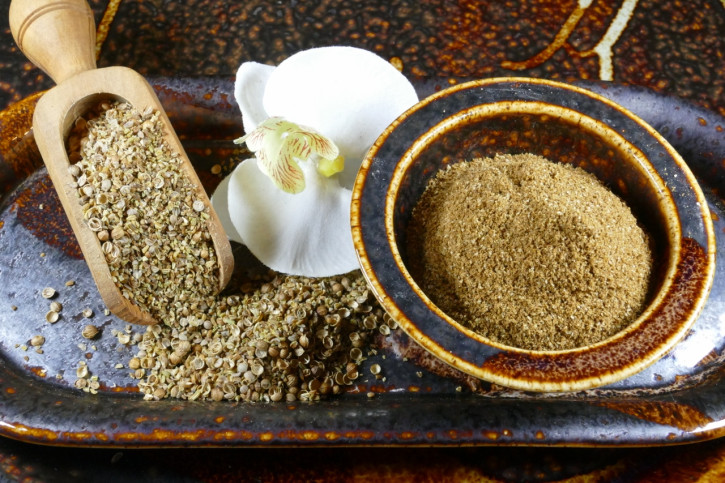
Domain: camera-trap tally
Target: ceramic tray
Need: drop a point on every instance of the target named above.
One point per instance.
(679, 399)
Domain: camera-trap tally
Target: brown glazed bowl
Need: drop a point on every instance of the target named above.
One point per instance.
(562, 123)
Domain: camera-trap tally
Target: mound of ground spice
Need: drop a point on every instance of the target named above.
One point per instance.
(529, 253)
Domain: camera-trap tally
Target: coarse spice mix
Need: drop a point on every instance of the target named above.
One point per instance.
(282, 338)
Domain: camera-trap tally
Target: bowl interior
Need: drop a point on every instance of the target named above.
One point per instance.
(556, 133)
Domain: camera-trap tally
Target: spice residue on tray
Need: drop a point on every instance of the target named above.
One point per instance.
(529, 253)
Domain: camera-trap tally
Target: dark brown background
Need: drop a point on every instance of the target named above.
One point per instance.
(673, 47)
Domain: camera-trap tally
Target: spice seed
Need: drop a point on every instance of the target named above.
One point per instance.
(37, 340)
(82, 370)
(198, 205)
(48, 292)
(89, 331)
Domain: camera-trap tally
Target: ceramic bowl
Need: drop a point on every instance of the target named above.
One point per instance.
(565, 124)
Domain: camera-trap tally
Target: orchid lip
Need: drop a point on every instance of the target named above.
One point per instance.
(279, 145)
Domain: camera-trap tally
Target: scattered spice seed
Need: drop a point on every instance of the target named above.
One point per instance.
(87, 313)
(283, 338)
(37, 340)
(268, 345)
(124, 339)
(56, 306)
(89, 331)
(82, 370)
(70, 283)
(93, 385)
(52, 316)
(48, 293)
(529, 253)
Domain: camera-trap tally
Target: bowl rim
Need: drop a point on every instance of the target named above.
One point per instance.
(501, 355)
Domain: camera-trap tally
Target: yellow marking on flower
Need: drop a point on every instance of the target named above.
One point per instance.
(328, 167)
(279, 144)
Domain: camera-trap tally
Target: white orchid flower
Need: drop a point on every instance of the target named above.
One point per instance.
(309, 123)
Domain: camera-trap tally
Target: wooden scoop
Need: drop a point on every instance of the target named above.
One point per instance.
(59, 37)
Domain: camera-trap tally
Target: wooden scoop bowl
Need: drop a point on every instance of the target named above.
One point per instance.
(59, 37)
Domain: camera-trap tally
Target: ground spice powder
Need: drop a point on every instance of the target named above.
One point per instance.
(529, 253)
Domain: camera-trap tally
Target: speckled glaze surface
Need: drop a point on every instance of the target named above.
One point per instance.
(422, 402)
(565, 124)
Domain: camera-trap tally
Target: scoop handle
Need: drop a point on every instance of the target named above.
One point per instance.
(59, 36)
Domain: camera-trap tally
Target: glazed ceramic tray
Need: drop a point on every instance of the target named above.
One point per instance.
(679, 399)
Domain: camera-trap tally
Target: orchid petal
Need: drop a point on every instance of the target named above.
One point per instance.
(249, 88)
(350, 95)
(220, 203)
(302, 234)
